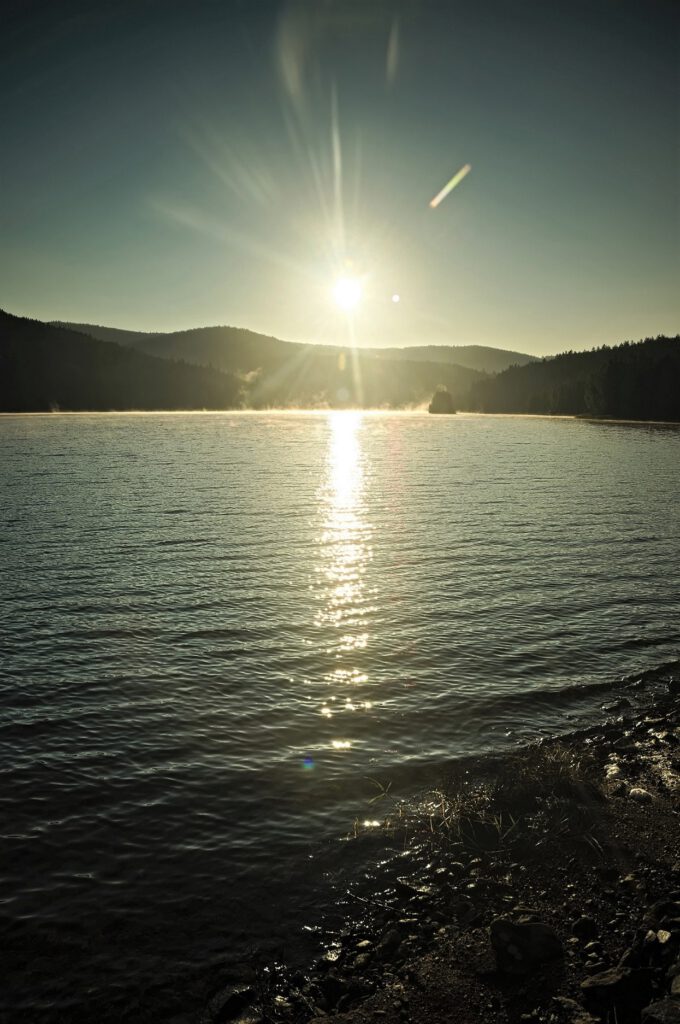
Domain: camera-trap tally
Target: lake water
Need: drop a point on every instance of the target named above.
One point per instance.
(221, 633)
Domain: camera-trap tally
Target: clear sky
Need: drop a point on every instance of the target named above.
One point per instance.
(168, 164)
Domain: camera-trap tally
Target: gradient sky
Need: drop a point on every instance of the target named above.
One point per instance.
(168, 164)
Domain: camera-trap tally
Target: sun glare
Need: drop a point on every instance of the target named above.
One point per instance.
(347, 292)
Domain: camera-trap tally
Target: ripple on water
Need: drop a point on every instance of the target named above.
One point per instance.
(215, 630)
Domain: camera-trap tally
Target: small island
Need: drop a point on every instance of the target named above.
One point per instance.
(442, 402)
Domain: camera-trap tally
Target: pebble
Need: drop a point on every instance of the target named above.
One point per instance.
(584, 928)
(520, 947)
(642, 796)
(667, 1011)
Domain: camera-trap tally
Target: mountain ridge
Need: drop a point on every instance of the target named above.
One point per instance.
(44, 367)
(48, 365)
(482, 358)
(288, 374)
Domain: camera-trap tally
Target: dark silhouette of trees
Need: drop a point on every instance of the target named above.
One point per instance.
(638, 380)
(284, 374)
(442, 402)
(44, 367)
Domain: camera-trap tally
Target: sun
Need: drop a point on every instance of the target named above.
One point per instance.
(347, 292)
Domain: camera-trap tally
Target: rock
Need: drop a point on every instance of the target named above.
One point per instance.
(333, 989)
(585, 929)
(442, 402)
(661, 912)
(521, 947)
(406, 888)
(282, 1004)
(390, 941)
(576, 1012)
(631, 958)
(617, 988)
(667, 1011)
(642, 796)
(617, 705)
(675, 986)
(229, 1003)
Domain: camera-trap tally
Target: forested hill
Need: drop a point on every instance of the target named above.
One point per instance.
(235, 348)
(635, 380)
(285, 374)
(44, 367)
(475, 357)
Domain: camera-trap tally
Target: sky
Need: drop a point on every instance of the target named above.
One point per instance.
(168, 164)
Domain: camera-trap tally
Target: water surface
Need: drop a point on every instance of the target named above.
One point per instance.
(221, 632)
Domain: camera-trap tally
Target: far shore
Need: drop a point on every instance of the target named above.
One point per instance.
(318, 411)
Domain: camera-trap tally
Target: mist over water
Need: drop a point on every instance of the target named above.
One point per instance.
(217, 629)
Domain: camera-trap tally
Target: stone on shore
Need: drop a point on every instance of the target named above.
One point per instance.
(667, 1011)
(228, 1004)
(576, 1012)
(585, 929)
(616, 988)
(519, 947)
(642, 796)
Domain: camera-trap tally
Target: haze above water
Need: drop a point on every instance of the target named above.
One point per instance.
(217, 629)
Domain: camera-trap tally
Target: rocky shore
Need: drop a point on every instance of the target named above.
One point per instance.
(539, 886)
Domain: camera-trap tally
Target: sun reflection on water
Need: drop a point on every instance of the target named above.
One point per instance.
(344, 555)
(345, 531)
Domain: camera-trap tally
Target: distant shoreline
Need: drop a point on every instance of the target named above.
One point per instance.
(461, 413)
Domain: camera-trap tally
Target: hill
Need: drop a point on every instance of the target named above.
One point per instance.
(44, 367)
(287, 374)
(474, 357)
(639, 380)
(239, 349)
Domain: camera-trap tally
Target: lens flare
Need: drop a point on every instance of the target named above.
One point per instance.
(455, 180)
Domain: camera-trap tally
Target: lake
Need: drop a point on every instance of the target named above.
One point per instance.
(222, 634)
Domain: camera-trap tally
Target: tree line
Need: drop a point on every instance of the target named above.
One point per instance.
(634, 380)
(44, 367)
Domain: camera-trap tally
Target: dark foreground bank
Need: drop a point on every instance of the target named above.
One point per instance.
(540, 886)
